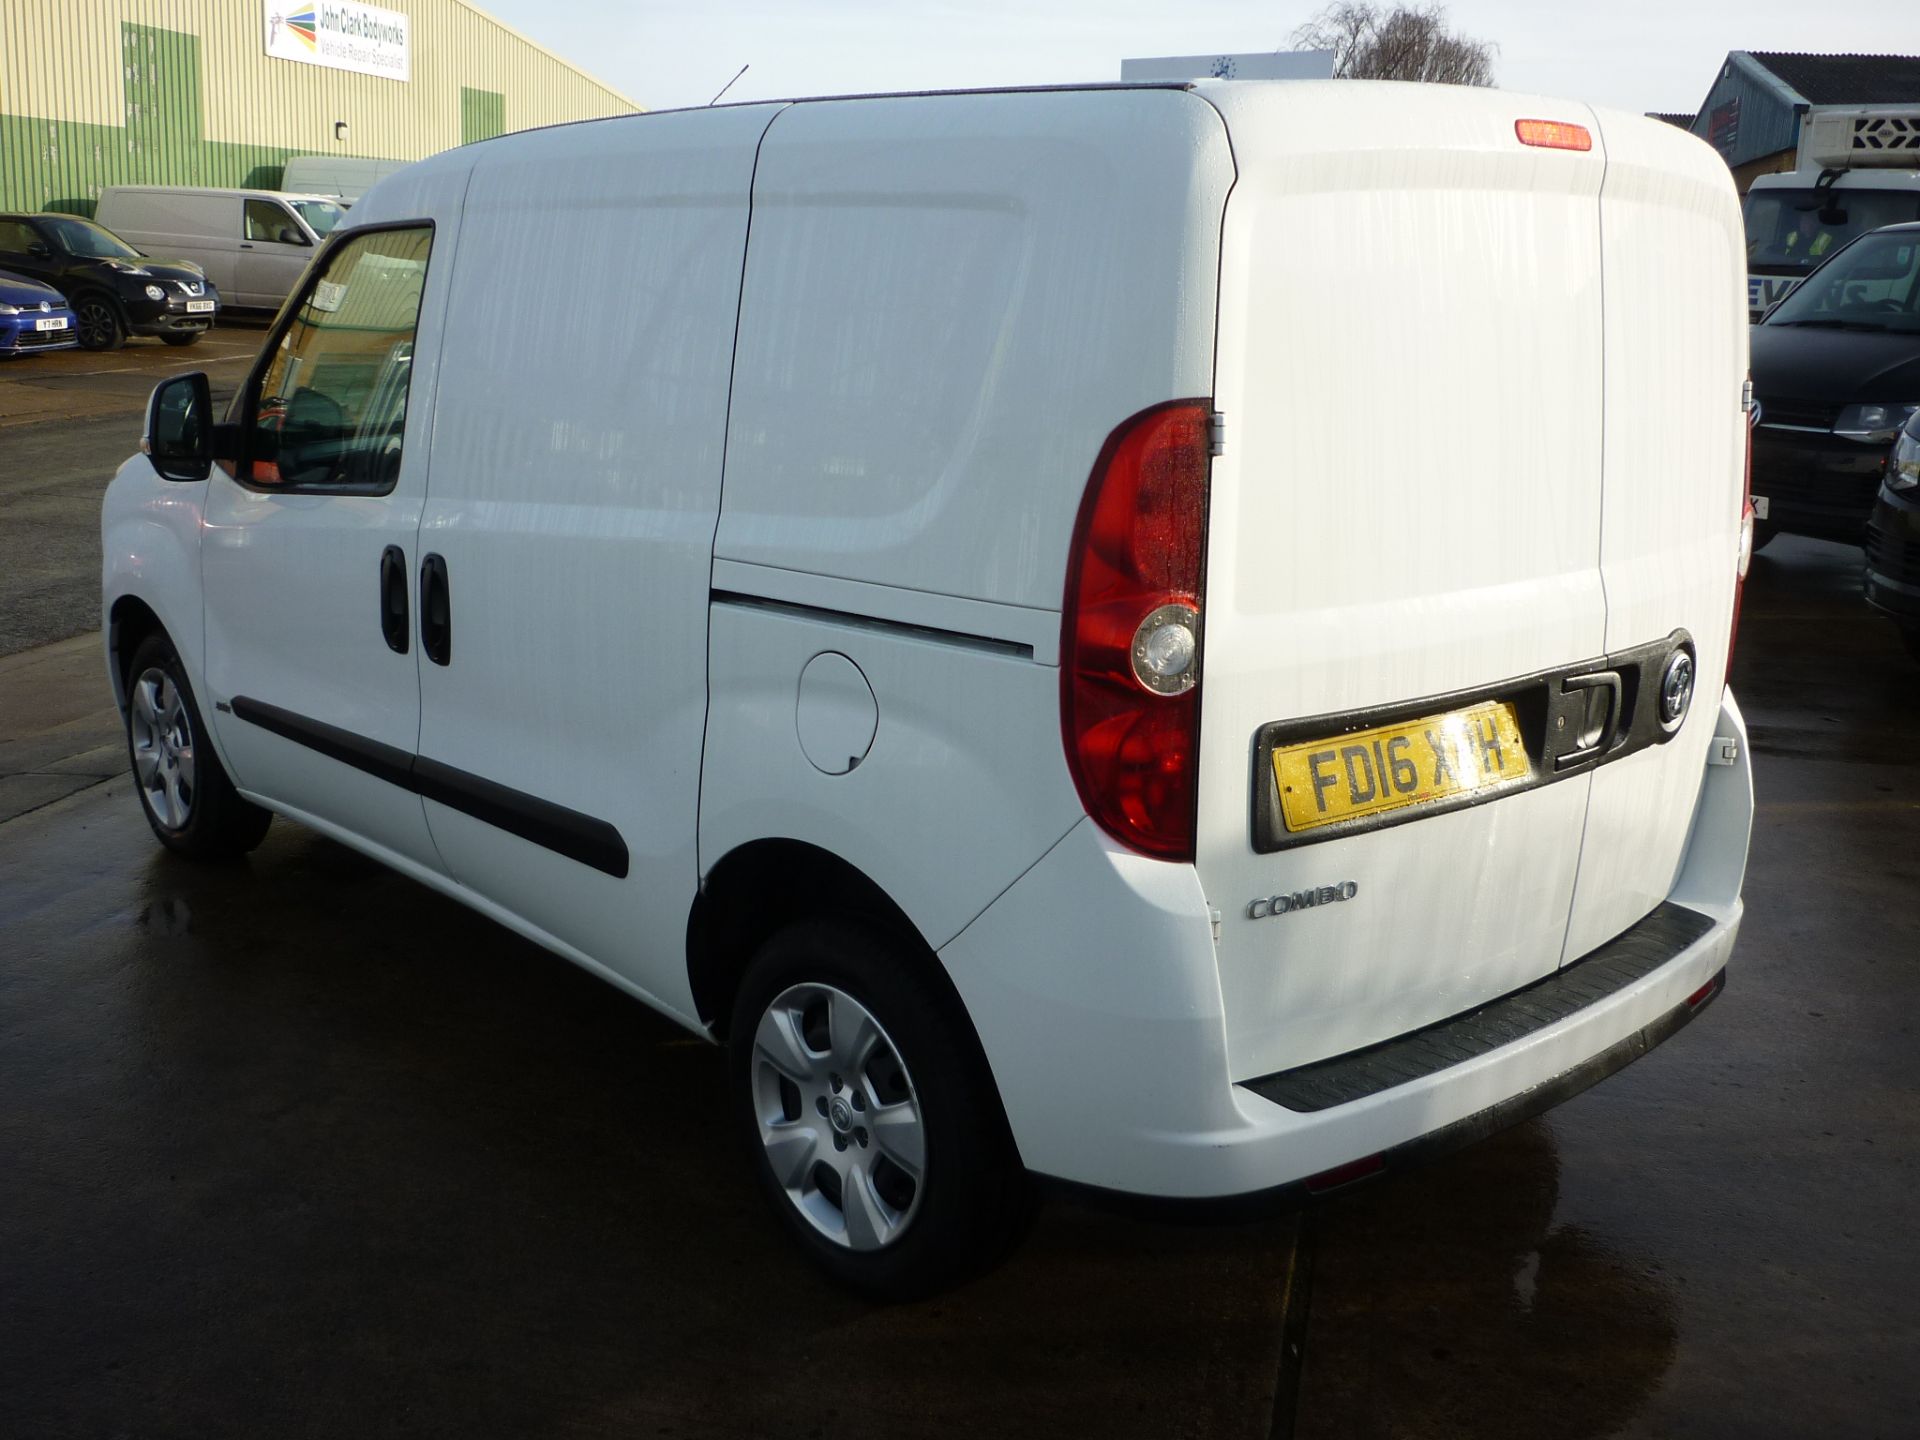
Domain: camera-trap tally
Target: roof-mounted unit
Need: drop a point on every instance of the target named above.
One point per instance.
(1849, 139)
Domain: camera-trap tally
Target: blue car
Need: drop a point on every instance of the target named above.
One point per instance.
(33, 317)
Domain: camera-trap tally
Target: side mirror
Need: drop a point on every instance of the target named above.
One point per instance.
(38, 250)
(182, 439)
(290, 236)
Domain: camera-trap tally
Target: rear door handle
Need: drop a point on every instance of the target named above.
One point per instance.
(1594, 740)
(393, 598)
(436, 612)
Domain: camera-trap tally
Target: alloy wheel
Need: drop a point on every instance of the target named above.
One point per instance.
(163, 748)
(838, 1116)
(97, 324)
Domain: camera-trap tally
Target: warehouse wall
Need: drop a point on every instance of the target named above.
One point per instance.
(182, 92)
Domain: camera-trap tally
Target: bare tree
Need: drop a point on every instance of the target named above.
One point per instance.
(1404, 42)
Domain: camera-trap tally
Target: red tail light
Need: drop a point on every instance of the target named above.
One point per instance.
(1130, 656)
(1744, 558)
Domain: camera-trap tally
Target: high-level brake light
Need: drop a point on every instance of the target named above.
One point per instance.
(1553, 134)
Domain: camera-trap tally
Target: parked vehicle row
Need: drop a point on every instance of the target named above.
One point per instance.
(113, 289)
(253, 245)
(1836, 450)
(1836, 374)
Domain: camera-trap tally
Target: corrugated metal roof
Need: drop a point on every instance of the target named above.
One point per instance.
(1846, 79)
(1673, 117)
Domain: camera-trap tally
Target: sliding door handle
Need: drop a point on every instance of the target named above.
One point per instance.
(436, 611)
(395, 623)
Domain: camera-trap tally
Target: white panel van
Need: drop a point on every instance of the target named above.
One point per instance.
(343, 177)
(1170, 638)
(253, 244)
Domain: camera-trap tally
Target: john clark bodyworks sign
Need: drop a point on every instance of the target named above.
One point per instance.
(339, 34)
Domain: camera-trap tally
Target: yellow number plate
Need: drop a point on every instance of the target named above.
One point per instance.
(1418, 762)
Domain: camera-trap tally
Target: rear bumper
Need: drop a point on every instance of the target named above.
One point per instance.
(1091, 983)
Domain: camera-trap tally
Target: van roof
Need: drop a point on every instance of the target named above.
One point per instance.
(211, 190)
(862, 95)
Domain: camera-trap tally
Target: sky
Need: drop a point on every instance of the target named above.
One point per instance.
(1633, 54)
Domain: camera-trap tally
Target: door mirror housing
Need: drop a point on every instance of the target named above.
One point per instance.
(290, 236)
(182, 438)
(38, 250)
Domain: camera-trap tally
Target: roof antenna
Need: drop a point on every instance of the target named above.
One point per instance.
(728, 86)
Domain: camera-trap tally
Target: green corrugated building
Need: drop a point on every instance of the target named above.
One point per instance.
(224, 92)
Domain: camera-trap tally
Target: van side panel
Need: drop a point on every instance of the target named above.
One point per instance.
(1676, 358)
(577, 446)
(1408, 505)
(178, 224)
(950, 302)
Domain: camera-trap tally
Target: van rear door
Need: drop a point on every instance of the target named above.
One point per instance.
(1406, 513)
(1675, 363)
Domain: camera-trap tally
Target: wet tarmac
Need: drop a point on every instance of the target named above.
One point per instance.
(296, 1148)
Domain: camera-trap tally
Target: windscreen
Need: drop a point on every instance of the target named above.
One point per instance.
(1791, 231)
(85, 239)
(1874, 285)
(321, 215)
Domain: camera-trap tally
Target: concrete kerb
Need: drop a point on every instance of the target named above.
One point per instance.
(59, 729)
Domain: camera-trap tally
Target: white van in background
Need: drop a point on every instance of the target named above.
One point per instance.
(1168, 637)
(253, 244)
(343, 177)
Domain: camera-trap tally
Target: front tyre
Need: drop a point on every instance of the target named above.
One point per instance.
(182, 337)
(97, 319)
(188, 800)
(872, 1122)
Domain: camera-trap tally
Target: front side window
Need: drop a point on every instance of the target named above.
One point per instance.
(332, 404)
(16, 236)
(267, 221)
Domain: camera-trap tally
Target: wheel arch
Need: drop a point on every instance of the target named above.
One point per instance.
(764, 886)
(761, 888)
(129, 622)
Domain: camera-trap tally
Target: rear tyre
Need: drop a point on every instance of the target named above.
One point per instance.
(183, 337)
(872, 1123)
(188, 800)
(99, 324)
(1763, 533)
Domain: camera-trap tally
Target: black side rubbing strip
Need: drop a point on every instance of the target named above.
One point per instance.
(1632, 955)
(579, 837)
(383, 762)
(552, 827)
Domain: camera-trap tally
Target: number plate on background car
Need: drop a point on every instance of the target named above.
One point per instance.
(1394, 767)
(59, 322)
(194, 307)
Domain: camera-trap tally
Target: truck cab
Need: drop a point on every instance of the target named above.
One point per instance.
(1859, 170)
